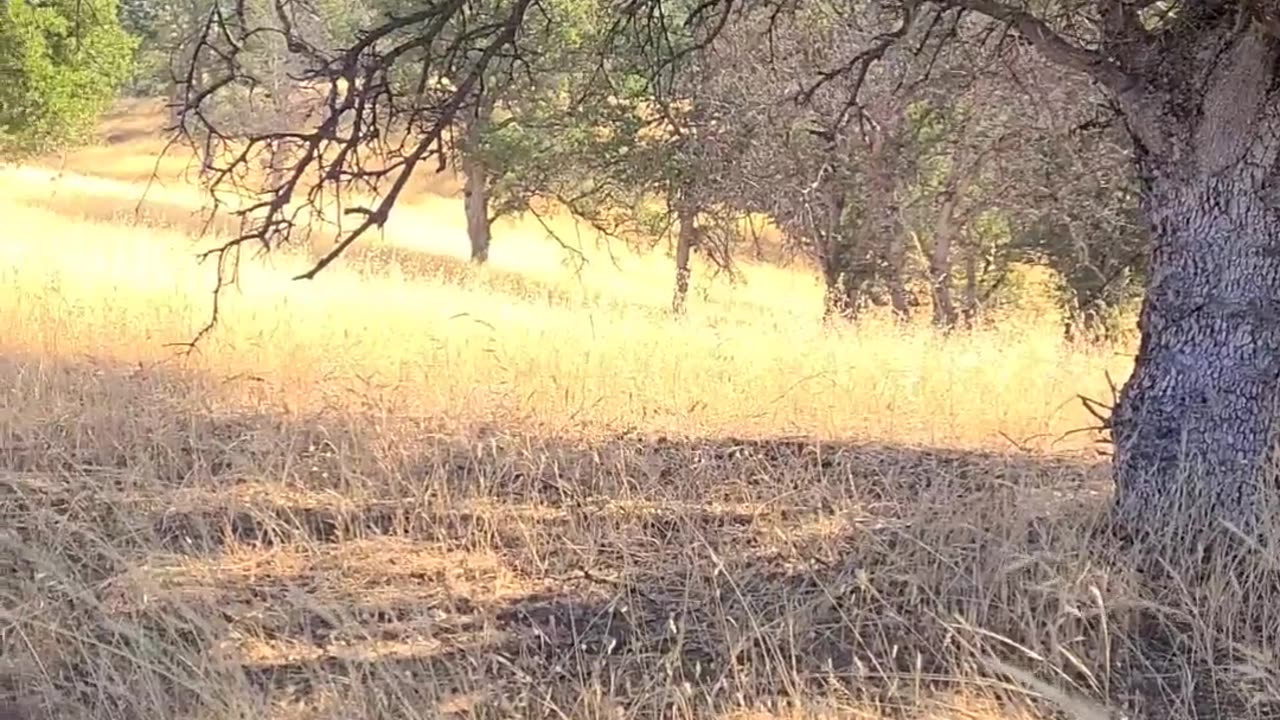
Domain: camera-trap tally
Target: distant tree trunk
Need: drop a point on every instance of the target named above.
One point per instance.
(207, 161)
(835, 301)
(896, 272)
(835, 304)
(686, 241)
(840, 272)
(199, 134)
(1195, 425)
(945, 315)
(475, 188)
(279, 118)
(940, 262)
(851, 284)
(971, 301)
(883, 227)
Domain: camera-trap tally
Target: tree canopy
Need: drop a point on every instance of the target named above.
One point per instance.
(61, 63)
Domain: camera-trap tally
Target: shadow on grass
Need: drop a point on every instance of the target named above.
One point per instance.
(163, 560)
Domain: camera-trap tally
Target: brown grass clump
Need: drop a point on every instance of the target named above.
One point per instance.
(413, 489)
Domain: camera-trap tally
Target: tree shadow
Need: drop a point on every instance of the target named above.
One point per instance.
(263, 558)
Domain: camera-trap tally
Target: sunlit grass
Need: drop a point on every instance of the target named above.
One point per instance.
(557, 348)
(411, 488)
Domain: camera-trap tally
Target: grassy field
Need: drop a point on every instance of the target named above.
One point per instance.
(414, 489)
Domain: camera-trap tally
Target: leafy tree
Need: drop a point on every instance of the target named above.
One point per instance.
(878, 194)
(517, 136)
(1062, 186)
(1195, 85)
(1195, 82)
(61, 64)
(150, 22)
(621, 143)
(1086, 226)
(813, 179)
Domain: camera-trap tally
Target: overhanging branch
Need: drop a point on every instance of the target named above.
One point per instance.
(1052, 45)
(373, 130)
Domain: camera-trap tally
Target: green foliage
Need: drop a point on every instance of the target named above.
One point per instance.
(612, 135)
(567, 131)
(61, 64)
(1091, 235)
(161, 27)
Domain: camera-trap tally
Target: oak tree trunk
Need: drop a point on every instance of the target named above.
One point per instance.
(846, 272)
(475, 189)
(883, 227)
(852, 281)
(837, 301)
(940, 263)
(276, 160)
(971, 301)
(838, 254)
(686, 240)
(1195, 424)
(896, 272)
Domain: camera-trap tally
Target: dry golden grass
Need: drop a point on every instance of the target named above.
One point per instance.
(413, 489)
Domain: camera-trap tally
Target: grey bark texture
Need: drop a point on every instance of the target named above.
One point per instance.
(883, 226)
(1195, 424)
(896, 272)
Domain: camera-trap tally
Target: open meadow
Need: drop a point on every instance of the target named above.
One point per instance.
(411, 488)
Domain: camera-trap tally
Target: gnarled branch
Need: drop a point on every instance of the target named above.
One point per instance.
(1052, 45)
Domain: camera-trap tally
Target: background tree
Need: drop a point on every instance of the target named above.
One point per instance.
(1194, 82)
(1088, 228)
(880, 192)
(505, 141)
(810, 177)
(621, 146)
(61, 63)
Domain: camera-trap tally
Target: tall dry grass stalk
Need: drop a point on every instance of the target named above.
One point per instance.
(412, 489)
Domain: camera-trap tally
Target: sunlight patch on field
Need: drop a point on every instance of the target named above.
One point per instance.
(594, 350)
(560, 330)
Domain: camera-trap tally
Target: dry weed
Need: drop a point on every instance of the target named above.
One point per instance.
(414, 489)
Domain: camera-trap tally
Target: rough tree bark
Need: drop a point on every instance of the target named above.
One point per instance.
(843, 286)
(896, 273)
(475, 188)
(1195, 424)
(842, 296)
(947, 223)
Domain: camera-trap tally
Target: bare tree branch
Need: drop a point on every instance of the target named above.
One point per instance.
(373, 131)
(1055, 47)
